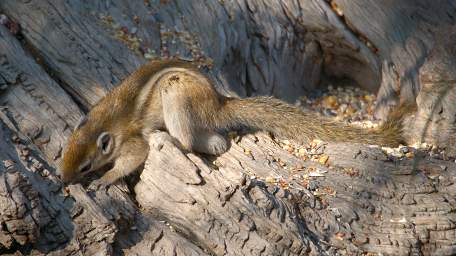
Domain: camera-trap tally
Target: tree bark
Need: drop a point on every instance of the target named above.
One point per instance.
(258, 198)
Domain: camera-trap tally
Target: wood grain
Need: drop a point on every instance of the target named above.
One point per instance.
(255, 199)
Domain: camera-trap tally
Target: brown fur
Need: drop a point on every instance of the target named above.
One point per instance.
(280, 118)
(173, 95)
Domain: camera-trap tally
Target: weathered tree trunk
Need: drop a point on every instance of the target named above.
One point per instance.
(257, 198)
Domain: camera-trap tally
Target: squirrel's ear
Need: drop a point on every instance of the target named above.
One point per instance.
(105, 143)
(81, 122)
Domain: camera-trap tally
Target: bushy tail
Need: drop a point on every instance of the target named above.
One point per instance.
(285, 120)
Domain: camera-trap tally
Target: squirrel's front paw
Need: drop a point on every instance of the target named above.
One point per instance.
(97, 185)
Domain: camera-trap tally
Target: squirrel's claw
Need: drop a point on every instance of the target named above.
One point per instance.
(98, 185)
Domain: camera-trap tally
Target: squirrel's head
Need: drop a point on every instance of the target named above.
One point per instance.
(89, 148)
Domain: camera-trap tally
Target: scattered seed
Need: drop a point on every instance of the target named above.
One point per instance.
(323, 159)
(409, 155)
(340, 236)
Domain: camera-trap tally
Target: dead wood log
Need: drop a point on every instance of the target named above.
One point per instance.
(256, 198)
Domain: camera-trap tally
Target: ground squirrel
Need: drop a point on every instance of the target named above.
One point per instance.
(176, 96)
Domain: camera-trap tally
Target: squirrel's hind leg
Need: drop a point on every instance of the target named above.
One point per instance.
(211, 143)
(184, 123)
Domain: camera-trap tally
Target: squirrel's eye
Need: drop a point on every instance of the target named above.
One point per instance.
(85, 167)
(104, 143)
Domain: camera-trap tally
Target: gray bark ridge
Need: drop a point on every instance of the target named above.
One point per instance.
(257, 198)
(365, 202)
